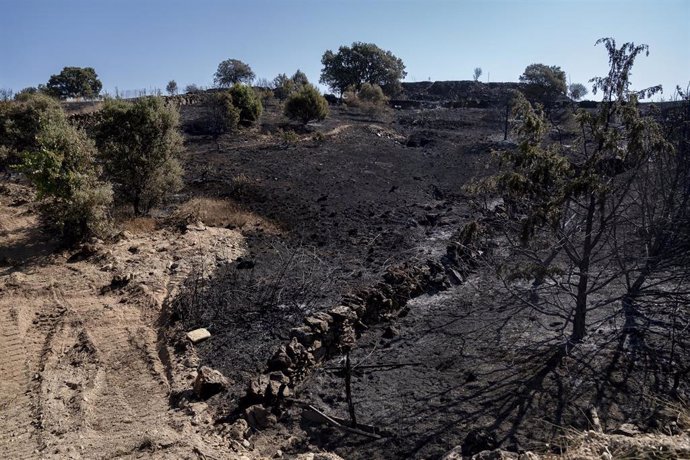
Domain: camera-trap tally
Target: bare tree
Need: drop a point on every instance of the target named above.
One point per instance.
(477, 73)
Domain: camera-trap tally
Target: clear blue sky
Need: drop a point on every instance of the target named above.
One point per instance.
(144, 43)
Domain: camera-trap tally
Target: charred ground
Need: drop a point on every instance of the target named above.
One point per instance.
(356, 195)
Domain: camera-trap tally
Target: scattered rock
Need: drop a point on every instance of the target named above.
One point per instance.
(209, 382)
(198, 335)
(259, 418)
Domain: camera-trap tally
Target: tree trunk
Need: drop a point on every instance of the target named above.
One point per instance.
(348, 390)
(580, 321)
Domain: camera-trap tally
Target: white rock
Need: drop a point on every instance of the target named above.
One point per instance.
(198, 335)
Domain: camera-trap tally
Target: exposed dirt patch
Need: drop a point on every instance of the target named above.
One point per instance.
(83, 378)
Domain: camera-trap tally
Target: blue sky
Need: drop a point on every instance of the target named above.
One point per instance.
(145, 43)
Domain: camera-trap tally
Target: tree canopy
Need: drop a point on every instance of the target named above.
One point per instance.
(544, 83)
(74, 82)
(141, 145)
(232, 71)
(577, 91)
(362, 63)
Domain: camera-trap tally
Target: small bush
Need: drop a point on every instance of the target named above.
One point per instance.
(248, 103)
(306, 105)
(372, 94)
(141, 145)
(290, 137)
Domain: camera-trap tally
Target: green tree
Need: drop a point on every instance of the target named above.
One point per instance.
(192, 89)
(232, 71)
(300, 78)
(171, 87)
(306, 105)
(140, 145)
(59, 160)
(577, 91)
(544, 83)
(362, 63)
(247, 102)
(220, 115)
(577, 205)
(74, 82)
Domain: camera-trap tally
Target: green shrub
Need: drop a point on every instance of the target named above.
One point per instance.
(59, 162)
(248, 103)
(306, 105)
(372, 94)
(141, 145)
(219, 116)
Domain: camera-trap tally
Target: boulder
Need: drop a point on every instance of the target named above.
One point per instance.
(209, 382)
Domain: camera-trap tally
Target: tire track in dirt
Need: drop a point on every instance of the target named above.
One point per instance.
(17, 433)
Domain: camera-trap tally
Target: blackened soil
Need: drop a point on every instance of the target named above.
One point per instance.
(347, 206)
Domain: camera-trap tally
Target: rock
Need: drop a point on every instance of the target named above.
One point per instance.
(16, 279)
(198, 335)
(478, 440)
(342, 313)
(497, 454)
(257, 387)
(259, 418)
(303, 334)
(316, 324)
(627, 429)
(238, 430)
(528, 456)
(318, 456)
(209, 382)
(455, 454)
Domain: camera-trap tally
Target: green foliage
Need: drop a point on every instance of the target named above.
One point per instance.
(140, 145)
(584, 202)
(60, 162)
(22, 121)
(231, 72)
(306, 105)
(74, 82)
(372, 93)
(544, 83)
(220, 115)
(300, 79)
(285, 86)
(577, 91)
(362, 63)
(247, 102)
(171, 87)
(369, 98)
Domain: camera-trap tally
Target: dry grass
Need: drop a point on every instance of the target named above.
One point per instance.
(216, 212)
(139, 225)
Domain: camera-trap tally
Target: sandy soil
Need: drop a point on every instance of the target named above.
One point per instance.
(81, 371)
